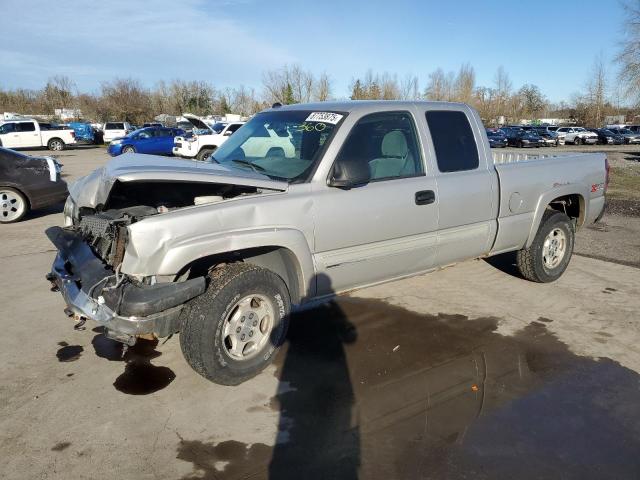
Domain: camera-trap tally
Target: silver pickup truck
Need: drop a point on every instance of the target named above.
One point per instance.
(222, 251)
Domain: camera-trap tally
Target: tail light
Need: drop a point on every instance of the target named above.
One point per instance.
(606, 177)
(73, 134)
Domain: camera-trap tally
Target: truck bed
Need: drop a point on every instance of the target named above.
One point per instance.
(529, 181)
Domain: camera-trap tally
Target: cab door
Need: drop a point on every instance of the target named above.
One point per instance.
(387, 227)
(467, 184)
(9, 136)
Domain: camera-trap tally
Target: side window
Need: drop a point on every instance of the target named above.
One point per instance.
(233, 128)
(26, 127)
(388, 143)
(453, 140)
(7, 128)
(109, 126)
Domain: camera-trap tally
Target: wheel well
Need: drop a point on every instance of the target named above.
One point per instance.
(279, 260)
(571, 205)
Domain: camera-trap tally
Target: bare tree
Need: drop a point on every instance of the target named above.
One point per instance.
(290, 84)
(437, 87)
(596, 93)
(409, 88)
(465, 83)
(629, 56)
(323, 88)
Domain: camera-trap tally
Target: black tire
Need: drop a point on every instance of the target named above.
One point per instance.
(21, 202)
(56, 145)
(520, 144)
(203, 320)
(530, 261)
(128, 149)
(577, 141)
(205, 153)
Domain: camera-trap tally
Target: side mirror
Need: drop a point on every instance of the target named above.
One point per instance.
(350, 173)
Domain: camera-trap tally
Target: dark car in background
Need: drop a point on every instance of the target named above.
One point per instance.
(548, 137)
(152, 140)
(497, 139)
(28, 183)
(607, 137)
(630, 137)
(523, 138)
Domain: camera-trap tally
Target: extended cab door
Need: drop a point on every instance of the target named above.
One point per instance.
(387, 227)
(467, 184)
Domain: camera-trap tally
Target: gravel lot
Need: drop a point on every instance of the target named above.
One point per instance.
(466, 372)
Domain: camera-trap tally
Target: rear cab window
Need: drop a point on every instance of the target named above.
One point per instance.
(26, 127)
(455, 146)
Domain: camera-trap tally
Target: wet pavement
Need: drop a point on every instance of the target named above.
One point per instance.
(370, 390)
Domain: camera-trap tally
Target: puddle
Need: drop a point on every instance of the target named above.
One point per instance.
(227, 459)
(378, 392)
(69, 353)
(140, 377)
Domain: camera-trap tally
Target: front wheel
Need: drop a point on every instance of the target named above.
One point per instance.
(232, 331)
(128, 149)
(204, 154)
(577, 141)
(548, 256)
(55, 144)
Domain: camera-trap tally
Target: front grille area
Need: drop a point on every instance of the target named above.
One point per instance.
(105, 238)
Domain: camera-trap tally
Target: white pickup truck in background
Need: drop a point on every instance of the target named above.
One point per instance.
(203, 140)
(29, 134)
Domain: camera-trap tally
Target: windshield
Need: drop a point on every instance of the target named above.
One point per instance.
(283, 145)
(625, 130)
(218, 127)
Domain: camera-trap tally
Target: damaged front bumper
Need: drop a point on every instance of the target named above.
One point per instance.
(92, 291)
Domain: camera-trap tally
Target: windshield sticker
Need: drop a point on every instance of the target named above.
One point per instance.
(326, 117)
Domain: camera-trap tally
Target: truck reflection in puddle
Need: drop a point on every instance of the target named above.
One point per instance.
(374, 391)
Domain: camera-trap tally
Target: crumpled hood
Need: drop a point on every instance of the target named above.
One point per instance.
(93, 189)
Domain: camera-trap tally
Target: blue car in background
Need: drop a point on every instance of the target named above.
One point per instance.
(155, 140)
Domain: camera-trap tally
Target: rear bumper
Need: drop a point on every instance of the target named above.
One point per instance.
(89, 289)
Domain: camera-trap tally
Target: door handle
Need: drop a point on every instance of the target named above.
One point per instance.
(425, 197)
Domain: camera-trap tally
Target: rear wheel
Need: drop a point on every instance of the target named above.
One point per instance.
(548, 256)
(55, 144)
(231, 332)
(13, 205)
(204, 154)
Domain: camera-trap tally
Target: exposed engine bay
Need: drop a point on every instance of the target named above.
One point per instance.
(105, 228)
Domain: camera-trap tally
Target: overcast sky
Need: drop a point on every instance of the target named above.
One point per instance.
(549, 43)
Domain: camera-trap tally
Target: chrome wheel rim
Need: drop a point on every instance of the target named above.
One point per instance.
(127, 150)
(56, 146)
(554, 248)
(11, 205)
(248, 327)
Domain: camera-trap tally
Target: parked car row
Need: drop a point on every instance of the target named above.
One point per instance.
(524, 136)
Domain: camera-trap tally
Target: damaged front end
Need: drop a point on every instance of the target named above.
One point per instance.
(125, 307)
(95, 241)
